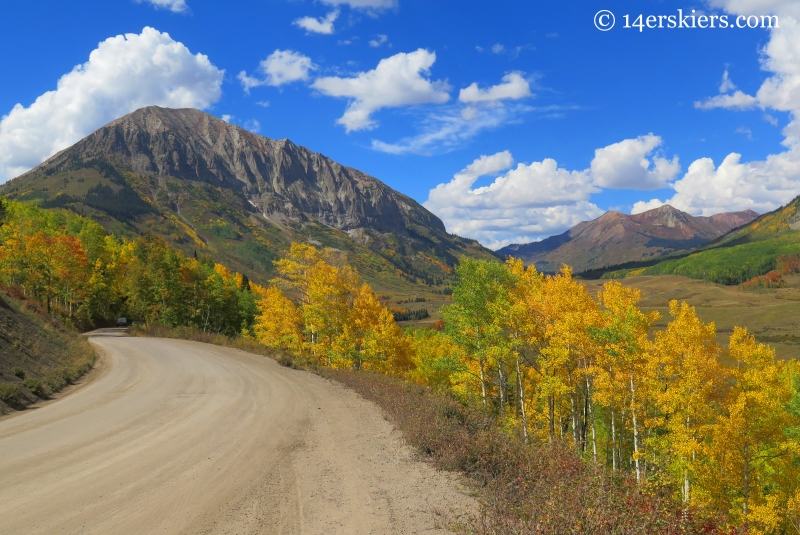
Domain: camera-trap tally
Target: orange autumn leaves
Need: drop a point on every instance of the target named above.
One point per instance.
(76, 270)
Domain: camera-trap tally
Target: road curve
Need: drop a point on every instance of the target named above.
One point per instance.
(177, 437)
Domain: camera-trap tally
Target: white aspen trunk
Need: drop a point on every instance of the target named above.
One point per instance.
(521, 389)
(502, 388)
(613, 440)
(635, 433)
(686, 483)
(483, 374)
(591, 419)
(483, 384)
(686, 486)
(575, 439)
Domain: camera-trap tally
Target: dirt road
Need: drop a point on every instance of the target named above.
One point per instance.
(181, 437)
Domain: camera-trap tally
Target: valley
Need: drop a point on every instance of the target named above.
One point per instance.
(772, 315)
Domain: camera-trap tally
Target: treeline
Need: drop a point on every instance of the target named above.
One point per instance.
(404, 314)
(75, 269)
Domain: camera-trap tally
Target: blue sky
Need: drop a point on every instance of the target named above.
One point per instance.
(510, 120)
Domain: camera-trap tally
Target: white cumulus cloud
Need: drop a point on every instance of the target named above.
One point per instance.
(630, 164)
(280, 68)
(123, 73)
(539, 199)
(734, 185)
(527, 201)
(760, 185)
(513, 87)
(176, 6)
(400, 80)
(323, 25)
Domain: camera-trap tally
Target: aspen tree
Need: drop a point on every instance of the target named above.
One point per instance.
(621, 365)
(749, 445)
(279, 322)
(525, 323)
(566, 359)
(474, 320)
(687, 368)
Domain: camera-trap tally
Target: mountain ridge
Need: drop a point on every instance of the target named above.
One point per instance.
(750, 251)
(616, 238)
(193, 145)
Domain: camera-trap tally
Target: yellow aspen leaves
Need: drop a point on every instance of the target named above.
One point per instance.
(279, 322)
(337, 322)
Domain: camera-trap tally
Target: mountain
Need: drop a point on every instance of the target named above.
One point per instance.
(212, 187)
(615, 238)
(736, 257)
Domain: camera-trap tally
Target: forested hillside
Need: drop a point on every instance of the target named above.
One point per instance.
(38, 355)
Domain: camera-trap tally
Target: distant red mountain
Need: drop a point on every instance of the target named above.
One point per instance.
(615, 238)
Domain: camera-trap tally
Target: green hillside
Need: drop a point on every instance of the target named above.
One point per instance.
(737, 257)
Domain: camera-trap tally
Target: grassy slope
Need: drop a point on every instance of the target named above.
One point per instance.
(49, 356)
(773, 315)
(219, 223)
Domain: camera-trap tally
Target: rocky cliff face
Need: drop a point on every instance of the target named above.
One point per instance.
(276, 176)
(615, 238)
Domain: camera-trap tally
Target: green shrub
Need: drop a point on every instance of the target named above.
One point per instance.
(9, 393)
(35, 386)
(19, 372)
(287, 360)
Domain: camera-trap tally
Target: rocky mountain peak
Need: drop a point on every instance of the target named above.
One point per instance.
(276, 176)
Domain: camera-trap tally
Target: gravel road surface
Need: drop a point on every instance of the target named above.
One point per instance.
(176, 437)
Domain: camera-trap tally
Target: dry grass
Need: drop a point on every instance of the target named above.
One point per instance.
(524, 489)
